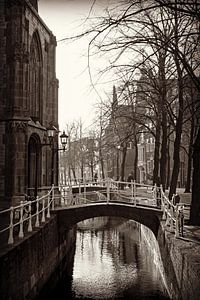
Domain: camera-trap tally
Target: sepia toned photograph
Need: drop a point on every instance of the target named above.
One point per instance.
(100, 149)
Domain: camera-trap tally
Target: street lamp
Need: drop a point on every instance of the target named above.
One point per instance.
(63, 138)
(52, 133)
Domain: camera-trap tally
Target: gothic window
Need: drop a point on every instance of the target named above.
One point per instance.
(35, 78)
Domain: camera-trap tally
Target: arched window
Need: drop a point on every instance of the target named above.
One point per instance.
(35, 79)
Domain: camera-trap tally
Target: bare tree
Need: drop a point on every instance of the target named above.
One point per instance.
(162, 28)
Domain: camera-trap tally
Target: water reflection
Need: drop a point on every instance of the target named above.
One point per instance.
(111, 262)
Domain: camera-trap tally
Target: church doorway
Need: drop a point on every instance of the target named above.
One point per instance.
(33, 165)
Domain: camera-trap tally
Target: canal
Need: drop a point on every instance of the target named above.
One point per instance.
(113, 260)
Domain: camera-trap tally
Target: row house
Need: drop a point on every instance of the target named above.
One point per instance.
(118, 141)
(131, 131)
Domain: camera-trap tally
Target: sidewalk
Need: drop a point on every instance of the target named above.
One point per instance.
(185, 197)
(191, 233)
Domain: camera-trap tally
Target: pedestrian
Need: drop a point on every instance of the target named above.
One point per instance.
(158, 193)
(180, 219)
(176, 199)
(130, 178)
(95, 177)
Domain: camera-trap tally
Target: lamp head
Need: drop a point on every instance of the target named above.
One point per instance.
(63, 138)
(52, 131)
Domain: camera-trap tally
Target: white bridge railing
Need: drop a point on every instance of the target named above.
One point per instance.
(29, 214)
(26, 215)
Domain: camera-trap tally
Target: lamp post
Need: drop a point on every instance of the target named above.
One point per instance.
(52, 133)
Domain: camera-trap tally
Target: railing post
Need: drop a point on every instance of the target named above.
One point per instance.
(171, 220)
(167, 218)
(21, 232)
(65, 196)
(70, 196)
(48, 206)
(79, 188)
(158, 197)
(118, 188)
(134, 192)
(108, 190)
(10, 239)
(43, 210)
(37, 223)
(30, 218)
(177, 223)
(155, 194)
(162, 202)
(181, 219)
(84, 192)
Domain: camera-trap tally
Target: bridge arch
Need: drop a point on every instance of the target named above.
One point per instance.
(150, 217)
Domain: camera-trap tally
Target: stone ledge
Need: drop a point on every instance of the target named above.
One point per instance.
(184, 256)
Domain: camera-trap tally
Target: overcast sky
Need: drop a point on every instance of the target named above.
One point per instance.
(64, 18)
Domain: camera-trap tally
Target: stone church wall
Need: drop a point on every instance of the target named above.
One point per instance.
(29, 98)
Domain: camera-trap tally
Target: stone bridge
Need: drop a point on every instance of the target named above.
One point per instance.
(68, 217)
(50, 247)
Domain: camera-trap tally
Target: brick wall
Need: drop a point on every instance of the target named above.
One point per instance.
(179, 261)
(25, 268)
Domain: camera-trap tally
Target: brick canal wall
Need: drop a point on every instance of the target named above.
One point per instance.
(179, 263)
(25, 268)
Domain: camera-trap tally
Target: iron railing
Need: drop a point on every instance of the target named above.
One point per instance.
(28, 214)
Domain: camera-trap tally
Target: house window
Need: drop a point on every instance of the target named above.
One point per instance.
(129, 145)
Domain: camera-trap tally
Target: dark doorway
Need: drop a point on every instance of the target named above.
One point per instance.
(33, 165)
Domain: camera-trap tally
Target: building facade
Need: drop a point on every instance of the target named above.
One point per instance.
(119, 149)
(29, 100)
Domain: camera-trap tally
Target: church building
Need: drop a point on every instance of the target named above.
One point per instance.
(29, 101)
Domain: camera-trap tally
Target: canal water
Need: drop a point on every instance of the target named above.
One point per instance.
(112, 261)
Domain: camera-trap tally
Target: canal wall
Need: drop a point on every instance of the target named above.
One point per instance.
(179, 263)
(28, 265)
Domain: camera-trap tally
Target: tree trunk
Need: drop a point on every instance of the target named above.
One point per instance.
(102, 164)
(92, 168)
(168, 166)
(117, 171)
(195, 205)
(123, 163)
(189, 165)
(177, 142)
(74, 174)
(82, 170)
(156, 155)
(136, 158)
(179, 121)
(163, 157)
(163, 111)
